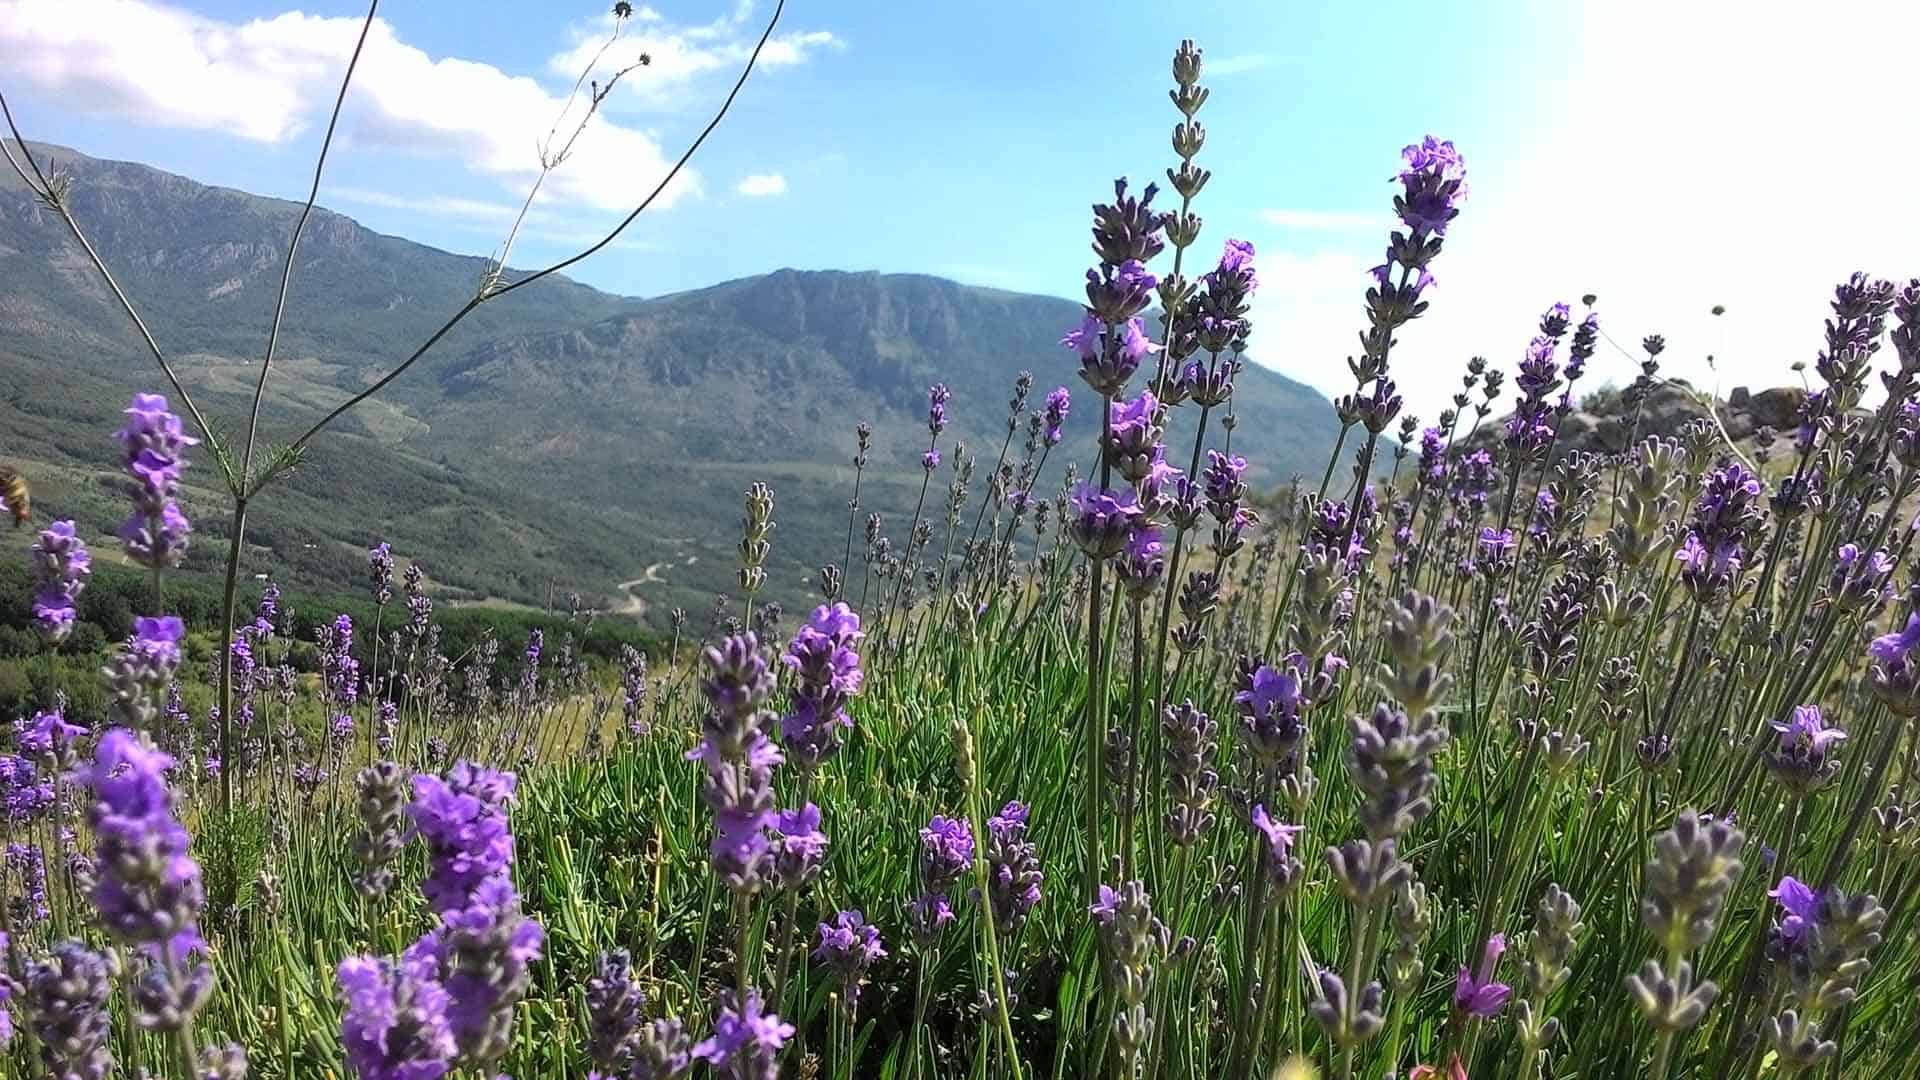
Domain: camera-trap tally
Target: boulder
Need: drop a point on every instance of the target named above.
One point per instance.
(1667, 408)
(1775, 408)
(1611, 434)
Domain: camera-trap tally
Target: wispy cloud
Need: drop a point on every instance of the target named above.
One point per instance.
(476, 210)
(541, 227)
(1661, 235)
(678, 55)
(1326, 219)
(761, 185)
(271, 79)
(1236, 65)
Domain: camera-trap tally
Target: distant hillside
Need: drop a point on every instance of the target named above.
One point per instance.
(562, 437)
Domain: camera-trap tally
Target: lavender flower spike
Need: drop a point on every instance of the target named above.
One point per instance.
(746, 1040)
(849, 945)
(149, 892)
(66, 995)
(60, 567)
(155, 447)
(395, 1025)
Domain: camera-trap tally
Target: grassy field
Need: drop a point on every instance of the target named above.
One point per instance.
(1465, 762)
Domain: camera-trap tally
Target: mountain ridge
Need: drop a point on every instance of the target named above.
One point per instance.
(561, 433)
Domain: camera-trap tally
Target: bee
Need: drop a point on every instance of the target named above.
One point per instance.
(15, 499)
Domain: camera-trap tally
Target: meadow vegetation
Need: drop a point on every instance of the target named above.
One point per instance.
(1468, 757)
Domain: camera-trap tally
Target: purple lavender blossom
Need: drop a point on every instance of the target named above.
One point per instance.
(26, 870)
(1102, 521)
(1894, 648)
(1859, 580)
(937, 397)
(148, 893)
(60, 565)
(1800, 757)
(1433, 455)
(1058, 403)
(823, 657)
(1269, 707)
(1142, 562)
(484, 944)
(1014, 876)
(1105, 905)
(946, 855)
(155, 448)
(849, 945)
(24, 793)
(614, 1001)
(1433, 177)
(1279, 837)
(946, 852)
(930, 460)
(157, 639)
(1706, 570)
(484, 952)
(1157, 490)
(1799, 908)
(739, 760)
(1235, 268)
(50, 738)
(1224, 484)
(1109, 356)
(746, 1040)
(395, 1025)
(463, 819)
(1475, 992)
(1808, 729)
(380, 572)
(929, 915)
(1134, 432)
(800, 846)
(633, 690)
(149, 890)
(66, 993)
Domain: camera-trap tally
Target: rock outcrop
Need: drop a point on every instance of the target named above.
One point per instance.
(1607, 422)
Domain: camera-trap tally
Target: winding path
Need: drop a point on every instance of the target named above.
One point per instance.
(631, 604)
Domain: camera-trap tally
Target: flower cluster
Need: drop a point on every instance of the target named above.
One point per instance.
(746, 1039)
(450, 998)
(849, 945)
(1014, 876)
(946, 854)
(60, 565)
(739, 760)
(155, 446)
(138, 673)
(827, 669)
(380, 572)
(1720, 530)
(148, 893)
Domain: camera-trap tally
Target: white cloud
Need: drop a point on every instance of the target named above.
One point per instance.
(678, 56)
(1724, 160)
(541, 227)
(270, 80)
(1234, 65)
(1326, 219)
(763, 184)
(478, 210)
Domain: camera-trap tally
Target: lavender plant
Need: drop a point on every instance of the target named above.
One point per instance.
(1328, 770)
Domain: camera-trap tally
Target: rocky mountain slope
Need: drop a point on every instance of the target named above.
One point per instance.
(559, 438)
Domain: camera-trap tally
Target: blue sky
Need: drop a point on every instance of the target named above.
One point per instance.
(1666, 157)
